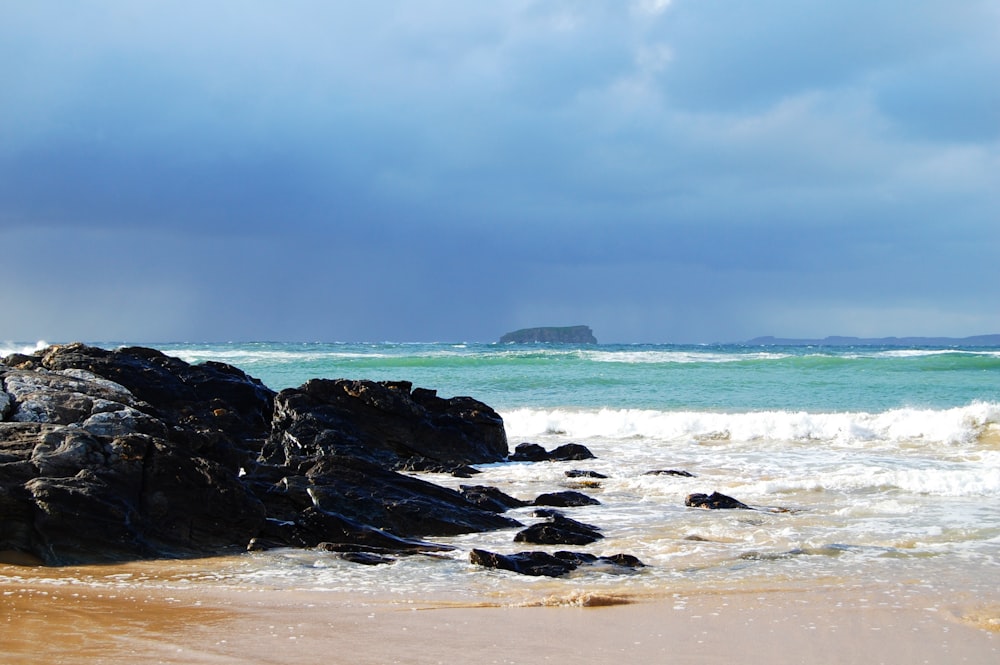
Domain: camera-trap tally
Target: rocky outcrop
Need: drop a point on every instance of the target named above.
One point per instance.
(384, 422)
(124, 454)
(559, 530)
(532, 452)
(551, 335)
(491, 498)
(715, 501)
(552, 565)
(565, 499)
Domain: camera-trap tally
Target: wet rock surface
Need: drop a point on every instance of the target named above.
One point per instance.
(552, 565)
(532, 452)
(715, 501)
(125, 454)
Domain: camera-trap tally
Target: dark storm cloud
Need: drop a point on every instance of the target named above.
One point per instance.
(687, 171)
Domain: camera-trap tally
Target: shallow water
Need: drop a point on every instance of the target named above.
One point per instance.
(867, 466)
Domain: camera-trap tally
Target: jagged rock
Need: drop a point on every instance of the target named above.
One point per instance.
(529, 452)
(366, 558)
(550, 565)
(424, 465)
(566, 499)
(124, 454)
(532, 452)
(669, 472)
(383, 422)
(714, 501)
(490, 498)
(546, 512)
(559, 530)
(579, 473)
(570, 451)
(403, 505)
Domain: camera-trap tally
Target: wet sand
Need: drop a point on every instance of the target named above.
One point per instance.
(56, 620)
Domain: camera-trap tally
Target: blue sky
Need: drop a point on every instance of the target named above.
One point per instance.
(664, 171)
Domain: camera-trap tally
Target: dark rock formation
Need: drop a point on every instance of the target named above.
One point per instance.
(669, 472)
(582, 473)
(566, 499)
(551, 335)
(490, 498)
(384, 422)
(529, 452)
(116, 455)
(714, 501)
(532, 452)
(559, 530)
(551, 565)
(424, 465)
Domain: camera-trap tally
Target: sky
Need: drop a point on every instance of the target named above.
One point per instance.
(662, 170)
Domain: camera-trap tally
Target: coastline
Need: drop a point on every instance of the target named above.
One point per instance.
(52, 616)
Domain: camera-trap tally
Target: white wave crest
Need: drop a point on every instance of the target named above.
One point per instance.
(8, 348)
(939, 479)
(949, 426)
(676, 356)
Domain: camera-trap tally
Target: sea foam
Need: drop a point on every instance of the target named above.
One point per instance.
(960, 425)
(8, 348)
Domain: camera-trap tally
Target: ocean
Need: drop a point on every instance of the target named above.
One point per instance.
(867, 467)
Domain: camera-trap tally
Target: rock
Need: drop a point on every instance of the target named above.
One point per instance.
(532, 452)
(559, 530)
(93, 472)
(550, 565)
(551, 335)
(424, 465)
(566, 499)
(536, 564)
(490, 498)
(529, 452)
(578, 473)
(714, 501)
(400, 504)
(383, 422)
(669, 472)
(570, 451)
(125, 454)
(366, 558)
(546, 512)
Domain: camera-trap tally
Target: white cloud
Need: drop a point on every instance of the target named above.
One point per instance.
(651, 7)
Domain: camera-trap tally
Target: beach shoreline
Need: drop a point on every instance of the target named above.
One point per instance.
(53, 618)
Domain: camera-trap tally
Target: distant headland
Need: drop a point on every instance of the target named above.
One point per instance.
(976, 340)
(552, 335)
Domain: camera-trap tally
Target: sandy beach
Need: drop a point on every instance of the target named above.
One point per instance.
(49, 618)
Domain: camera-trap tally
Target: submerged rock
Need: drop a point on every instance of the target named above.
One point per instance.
(670, 472)
(532, 452)
(490, 498)
(581, 473)
(565, 499)
(714, 501)
(559, 530)
(551, 565)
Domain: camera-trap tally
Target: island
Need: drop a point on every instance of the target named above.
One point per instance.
(551, 335)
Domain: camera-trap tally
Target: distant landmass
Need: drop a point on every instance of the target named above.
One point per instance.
(550, 334)
(976, 340)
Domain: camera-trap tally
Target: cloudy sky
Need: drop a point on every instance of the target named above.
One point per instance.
(662, 170)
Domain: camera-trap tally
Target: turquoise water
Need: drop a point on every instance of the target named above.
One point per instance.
(887, 460)
(664, 377)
